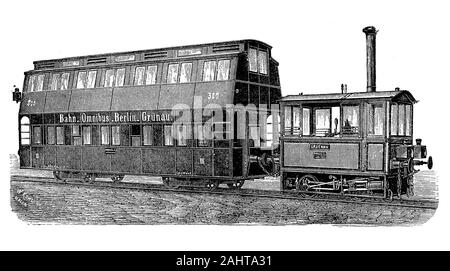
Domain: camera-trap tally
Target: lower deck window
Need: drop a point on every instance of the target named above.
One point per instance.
(59, 135)
(51, 135)
(115, 135)
(104, 130)
(147, 133)
(168, 135)
(135, 135)
(87, 135)
(37, 135)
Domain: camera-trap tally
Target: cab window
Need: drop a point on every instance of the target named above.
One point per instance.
(350, 125)
(401, 119)
(376, 119)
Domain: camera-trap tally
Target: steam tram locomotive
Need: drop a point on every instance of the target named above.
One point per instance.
(115, 114)
(208, 114)
(351, 143)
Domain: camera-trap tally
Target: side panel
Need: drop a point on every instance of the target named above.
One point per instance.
(143, 98)
(203, 162)
(49, 156)
(158, 160)
(173, 94)
(375, 157)
(57, 101)
(95, 159)
(83, 100)
(222, 161)
(33, 102)
(338, 156)
(69, 157)
(184, 161)
(126, 160)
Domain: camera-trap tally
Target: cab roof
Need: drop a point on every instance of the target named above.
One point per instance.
(396, 95)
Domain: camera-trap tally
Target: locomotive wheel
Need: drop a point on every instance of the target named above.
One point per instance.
(117, 178)
(212, 185)
(168, 182)
(303, 183)
(236, 185)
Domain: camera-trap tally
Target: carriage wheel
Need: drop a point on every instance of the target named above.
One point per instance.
(117, 178)
(168, 183)
(236, 185)
(303, 183)
(212, 184)
(58, 176)
(89, 178)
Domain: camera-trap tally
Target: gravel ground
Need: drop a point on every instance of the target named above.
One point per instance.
(64, 204)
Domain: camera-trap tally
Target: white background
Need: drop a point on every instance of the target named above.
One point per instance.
(319, 45)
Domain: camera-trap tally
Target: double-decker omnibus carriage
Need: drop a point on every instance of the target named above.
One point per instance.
(112, 114)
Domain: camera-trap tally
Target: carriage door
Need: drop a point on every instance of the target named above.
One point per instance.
(37, 150)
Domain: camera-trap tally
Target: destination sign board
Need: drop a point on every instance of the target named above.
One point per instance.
(116, 117)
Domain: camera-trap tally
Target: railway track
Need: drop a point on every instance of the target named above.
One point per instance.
(406, 203)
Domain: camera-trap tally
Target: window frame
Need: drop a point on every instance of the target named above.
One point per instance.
(371, 118)
(177, 72)
(405, 118)
(342, 121)
(189, 78)
(25, 122)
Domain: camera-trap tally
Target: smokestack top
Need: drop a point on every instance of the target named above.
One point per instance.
(370, 30)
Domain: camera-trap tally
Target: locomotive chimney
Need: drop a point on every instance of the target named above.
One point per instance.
(371, 33)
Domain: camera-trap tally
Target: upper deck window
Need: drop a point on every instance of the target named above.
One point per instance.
(120, 77)
(109, 78)
(139, 76)
(257, 60)
(65, 81)
(186, 71)
(60, 81)
(56, 79)
(36, 83)
(81, 81)
(252, 60)
(223, 69)
(262, 62)
(150, 77)
(91, 76)
(209, 69)
(172, 73)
